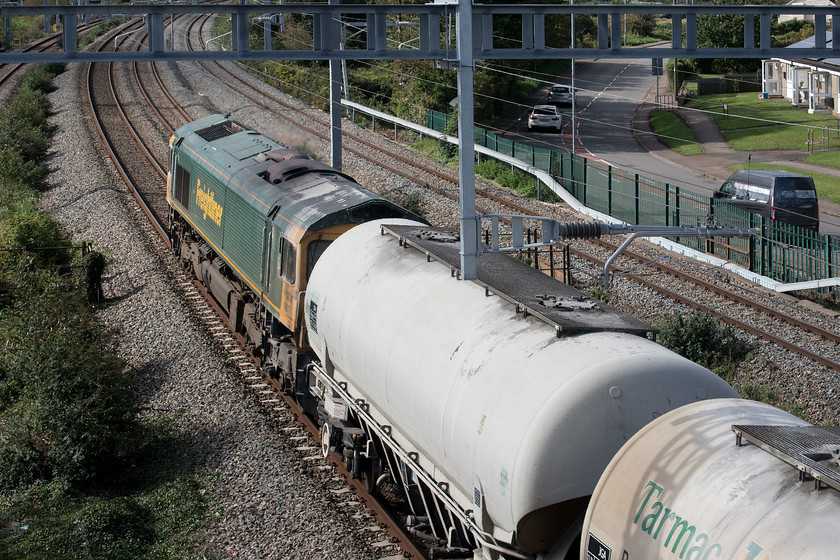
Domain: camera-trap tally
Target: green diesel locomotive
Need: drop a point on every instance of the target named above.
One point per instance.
(251, 218)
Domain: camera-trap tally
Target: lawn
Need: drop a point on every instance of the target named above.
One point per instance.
(750, 123)
(674, 133)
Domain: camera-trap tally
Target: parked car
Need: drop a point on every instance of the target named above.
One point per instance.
(545, 116)
(783, 196)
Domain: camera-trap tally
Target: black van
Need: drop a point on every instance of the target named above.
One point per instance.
(783, 196)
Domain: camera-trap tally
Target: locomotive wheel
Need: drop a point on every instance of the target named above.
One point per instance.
(326, 436)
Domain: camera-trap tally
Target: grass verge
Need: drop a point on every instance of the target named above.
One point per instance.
(674, 132)
(752, 124)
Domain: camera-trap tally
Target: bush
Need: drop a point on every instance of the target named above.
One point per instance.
(406, 197)
(66, 402)
(80, 477)
(24, 127)
(703, 339)
(33, 240)
(16, 173)
(41, 77)
(153, 515)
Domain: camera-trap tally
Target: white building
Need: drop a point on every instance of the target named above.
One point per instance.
(806, 82)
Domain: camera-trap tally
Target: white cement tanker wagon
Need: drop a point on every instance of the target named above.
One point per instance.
(496, 404)
(721, 479)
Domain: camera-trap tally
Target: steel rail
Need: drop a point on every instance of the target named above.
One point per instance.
(828, 335)
(111, 152)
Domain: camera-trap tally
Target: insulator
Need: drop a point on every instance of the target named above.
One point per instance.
(580, 230)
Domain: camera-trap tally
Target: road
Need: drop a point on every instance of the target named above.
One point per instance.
(608, 94)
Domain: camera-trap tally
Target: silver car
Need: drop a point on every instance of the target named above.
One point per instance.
(560, 94)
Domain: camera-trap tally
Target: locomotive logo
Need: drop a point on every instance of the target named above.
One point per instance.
(205, 199)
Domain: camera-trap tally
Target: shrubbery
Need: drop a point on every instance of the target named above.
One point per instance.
(406, 197)
(703, 339)
(516, 179)
(80, 475)
(66, 400)
(67, 408)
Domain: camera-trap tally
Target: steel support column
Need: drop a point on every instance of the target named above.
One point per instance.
(334, 33)
(466, 149)
(154, 22)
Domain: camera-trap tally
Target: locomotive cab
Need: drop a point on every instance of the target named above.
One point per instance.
(251, 218)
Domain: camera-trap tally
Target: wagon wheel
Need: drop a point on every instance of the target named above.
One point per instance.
(370, 474)
(326, 437)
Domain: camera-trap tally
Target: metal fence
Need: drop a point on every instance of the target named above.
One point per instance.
(785, 253)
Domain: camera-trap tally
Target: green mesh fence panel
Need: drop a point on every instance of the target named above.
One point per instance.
(523, 152)
(437, 121)
(784, 253)
(505, 146)
(543, 158)
(653, 201)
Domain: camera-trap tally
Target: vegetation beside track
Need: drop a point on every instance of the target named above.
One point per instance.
(708, 341)
(83, 474)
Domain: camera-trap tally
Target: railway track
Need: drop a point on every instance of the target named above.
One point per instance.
(144, 176)
(427, 176)
(445, 183)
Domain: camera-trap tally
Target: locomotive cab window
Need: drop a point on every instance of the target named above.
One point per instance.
(313, 252)
(286, 260)
(182, 186)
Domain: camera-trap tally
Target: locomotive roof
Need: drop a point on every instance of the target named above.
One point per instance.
(533, 292)
(272, 178)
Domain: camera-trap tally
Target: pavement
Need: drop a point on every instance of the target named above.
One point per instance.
(717, 152)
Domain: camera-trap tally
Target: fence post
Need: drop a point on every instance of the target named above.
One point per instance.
(585, 173)
(677, 220)
(751, 256)
(638, 198)
(768, 248)
(667, 203)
